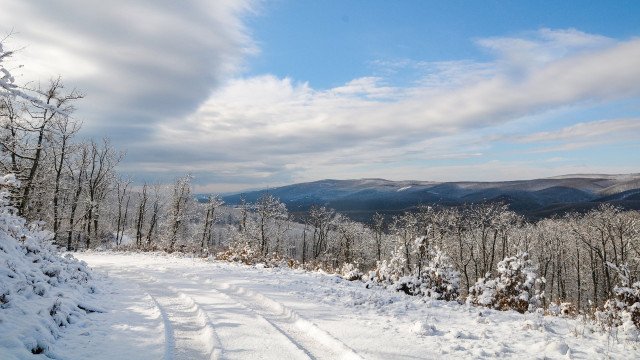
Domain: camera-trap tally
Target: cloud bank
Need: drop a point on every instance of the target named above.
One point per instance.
(138, 61)
(286, 131)
(164, 81)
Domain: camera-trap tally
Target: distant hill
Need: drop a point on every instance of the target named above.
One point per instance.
(539, 198)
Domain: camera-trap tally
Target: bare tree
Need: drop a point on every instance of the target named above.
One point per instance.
(122, 187)
(41, 121)
(141, 212)
(78, 176)
(100, 177)
(181, 191)
(213, 203)
(268, 227)
(65, 129)
(320, 219)
(155, 213)
(378, 231)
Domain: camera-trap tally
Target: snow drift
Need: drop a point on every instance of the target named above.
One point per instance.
(41, 293)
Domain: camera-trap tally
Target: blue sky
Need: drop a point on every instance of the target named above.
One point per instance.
(246, 94)
(302, 39)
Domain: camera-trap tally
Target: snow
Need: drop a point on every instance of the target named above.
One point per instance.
(160, 306)
(130, 319)
(187, 308)
(41, 293)
(8, 87)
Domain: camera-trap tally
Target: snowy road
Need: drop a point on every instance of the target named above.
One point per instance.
(246, 325)
(162, 307)
(205, 317)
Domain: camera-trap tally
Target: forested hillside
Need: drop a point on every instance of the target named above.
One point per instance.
(534, 199)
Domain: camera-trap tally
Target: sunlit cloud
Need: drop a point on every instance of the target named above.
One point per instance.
(304, 132)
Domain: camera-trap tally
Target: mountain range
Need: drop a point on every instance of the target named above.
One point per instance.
(539, 198)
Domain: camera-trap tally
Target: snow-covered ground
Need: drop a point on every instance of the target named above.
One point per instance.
(165, 307)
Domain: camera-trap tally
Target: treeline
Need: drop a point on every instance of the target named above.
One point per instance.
(63, 182)
(580, 256)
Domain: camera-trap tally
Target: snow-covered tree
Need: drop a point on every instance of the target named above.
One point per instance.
(268, 224)
(180, 210)
(213, 203)
(123, 193)
(320, 220)
(513, 289)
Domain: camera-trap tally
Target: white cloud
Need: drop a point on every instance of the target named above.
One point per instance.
(454, 156)
(160, 81)
(502, 170)
(602, 129)
(136, 60)
(300, 132)
(535, 49)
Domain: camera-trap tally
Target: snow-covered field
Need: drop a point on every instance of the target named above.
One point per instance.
(164, 307)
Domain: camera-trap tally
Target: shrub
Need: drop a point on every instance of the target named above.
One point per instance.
(513, 289)
(249, 255)
(350, 272)
(238, 252)
(624, 309)
(434, 276)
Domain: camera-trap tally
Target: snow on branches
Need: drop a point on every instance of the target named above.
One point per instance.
(624, 309)
(512, 289)
(431, 275)
(9, 88)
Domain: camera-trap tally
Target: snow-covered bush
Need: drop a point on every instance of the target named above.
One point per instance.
(249, 255)
(442, 280)
(40, 292)
(513, 289)
(432, 276)
(624, 309)
(437, 279)
(239, 252)
(386, 272)
(350, 272)
(562, 309)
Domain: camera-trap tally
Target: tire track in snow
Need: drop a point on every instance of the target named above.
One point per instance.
(189, 333)
(169, 341)
(314, 341)
(269, 328)
(267, 340)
